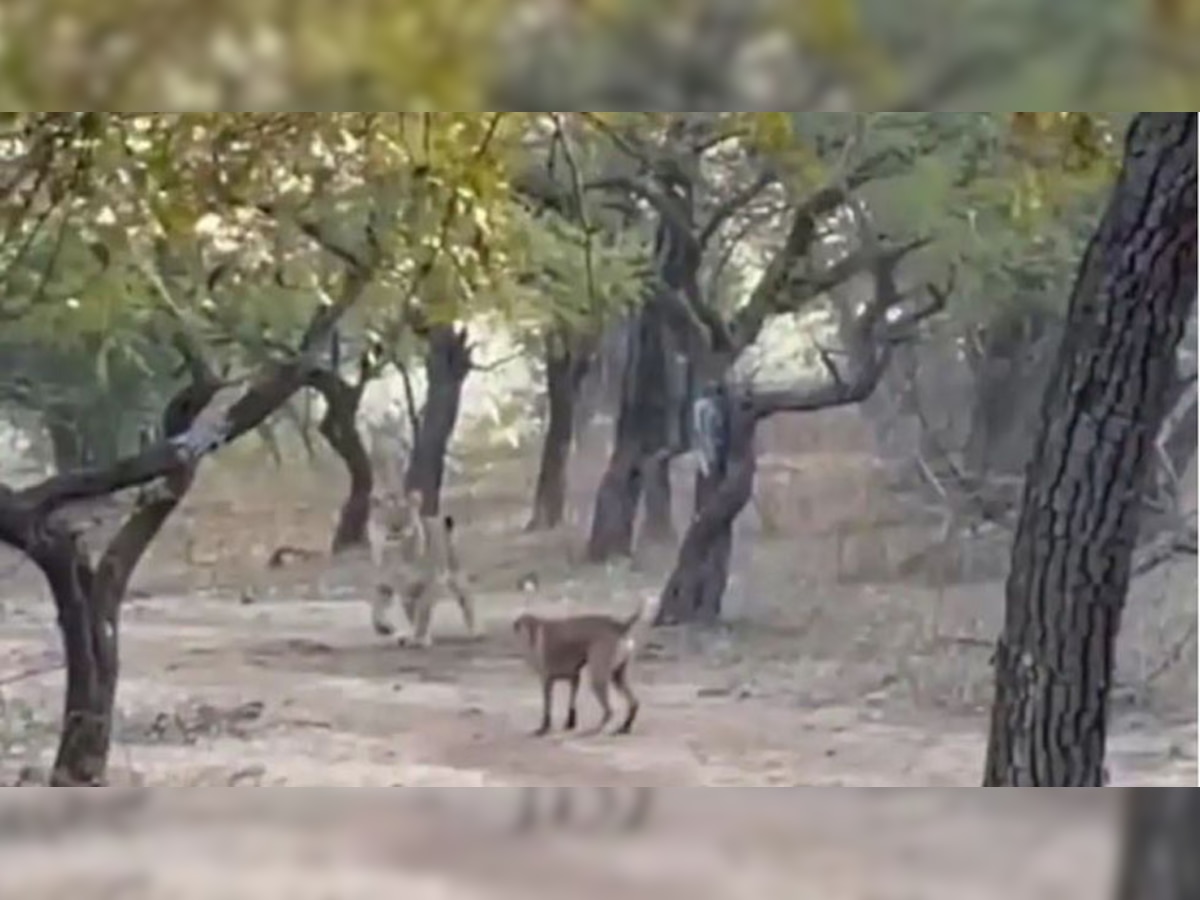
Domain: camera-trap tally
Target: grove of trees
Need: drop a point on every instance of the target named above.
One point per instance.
(173, 281)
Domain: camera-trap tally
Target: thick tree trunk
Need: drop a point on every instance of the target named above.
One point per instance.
(1079, 520)
(650, 402)
(696, 587)
(567, 363)
(89, 638)
(88, 600)
(447, 364)
(339, 427)
(658, 526)
(640, 432)
(1161, 831)
(1018, 352)
(66, 446)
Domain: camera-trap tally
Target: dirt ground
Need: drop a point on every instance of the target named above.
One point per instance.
(827, 674)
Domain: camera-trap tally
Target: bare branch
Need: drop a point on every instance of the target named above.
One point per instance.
(272, 386)
(663, 204)
(1163, 551)
(869, 345)
(410, 399)
(733, 204)
(578, 190)
(497, 363)
(768, 297)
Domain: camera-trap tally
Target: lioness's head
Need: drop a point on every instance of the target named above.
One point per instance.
(398, 514)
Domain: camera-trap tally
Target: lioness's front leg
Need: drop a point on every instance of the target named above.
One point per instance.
(380, 604)
(418, 609)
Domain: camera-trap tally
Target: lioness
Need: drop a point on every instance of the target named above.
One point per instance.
(415, 555)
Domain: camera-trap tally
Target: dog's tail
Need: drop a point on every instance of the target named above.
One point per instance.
(638, 625)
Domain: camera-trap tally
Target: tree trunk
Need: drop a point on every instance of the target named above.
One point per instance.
(658, 526)
(640, 432)
(65, 443)
(1018, 352)
(697, 584)
(447, 364)
(567, 362)
(339, 427)
(1161, 831)
(650, 403)
(88, 600)
(1079, 519)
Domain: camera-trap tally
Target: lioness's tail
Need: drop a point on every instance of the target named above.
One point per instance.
(638, 625)
(451, 553)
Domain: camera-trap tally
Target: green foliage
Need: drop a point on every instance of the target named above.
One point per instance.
(92, 398)
(568, 280)
(226, 232)
(1008, 204)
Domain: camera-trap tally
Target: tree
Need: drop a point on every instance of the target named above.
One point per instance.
(339, 428)
(658, 165)
(582, 274)
(765, 164)
(447, 365)
(726, 431)
(254, 198)
(1107, 396)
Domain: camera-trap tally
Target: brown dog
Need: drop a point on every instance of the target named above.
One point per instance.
(560, 649)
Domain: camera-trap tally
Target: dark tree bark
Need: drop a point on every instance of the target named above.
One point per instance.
(650, 400)
(88, 600)
(88, 597)
(1079, 520)
(639, 433)
(447, 364)
(658, 526)
(568, 359)
(339, 427)
(1018, 351)
(696, 586)
(65, 444)
(1161, 831)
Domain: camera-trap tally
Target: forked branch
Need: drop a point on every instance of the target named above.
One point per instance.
(272, 386)
(888, 319)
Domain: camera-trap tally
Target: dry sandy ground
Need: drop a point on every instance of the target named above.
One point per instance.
(816, 682)
(297, 693)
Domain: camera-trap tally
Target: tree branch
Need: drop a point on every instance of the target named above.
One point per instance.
(766, 299)
(872, 336)
(274, 384)
(734, 204)
(663, 203)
